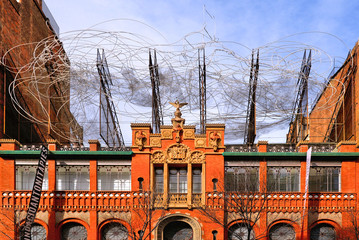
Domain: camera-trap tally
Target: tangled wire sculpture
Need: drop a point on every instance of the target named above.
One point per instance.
(73, 69)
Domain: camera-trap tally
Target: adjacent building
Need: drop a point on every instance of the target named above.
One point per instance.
(33, 120)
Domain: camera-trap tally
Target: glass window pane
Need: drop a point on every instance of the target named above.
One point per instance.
(283, 179)
(324, 179)
(114, 178)
(197, 180)
(72, 178)
(178, 180)
(159, 180)
(25, 177)
(73, 231)
(173, 181)
(242, 179)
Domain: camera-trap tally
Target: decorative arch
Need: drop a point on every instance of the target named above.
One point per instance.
(284, 222)
(196, 227)
(71, 220)
(109, 221)
(255, 229)
(324, 222)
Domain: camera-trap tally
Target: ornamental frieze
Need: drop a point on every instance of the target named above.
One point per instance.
(178, 153)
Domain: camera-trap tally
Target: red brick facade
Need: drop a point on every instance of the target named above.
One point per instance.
(97, 210)
(23, 23)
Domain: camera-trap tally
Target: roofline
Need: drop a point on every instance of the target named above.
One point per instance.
(290, 154)
(21, 153)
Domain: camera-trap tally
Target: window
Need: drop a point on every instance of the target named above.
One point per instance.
(114, 178)
(324, 179)
(25, 176)
(215, 181)
(38, 232)
(72, 178)
(282, 231)
(323, 231)
(283, 179)
(197, 180)
(159, 180)
(178, 180)
(242, 179)
(214, 233)
(240, 231)
(140, 183)
(72, 231)
(114, 231)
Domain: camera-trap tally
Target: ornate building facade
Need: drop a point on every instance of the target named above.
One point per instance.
(181, 185)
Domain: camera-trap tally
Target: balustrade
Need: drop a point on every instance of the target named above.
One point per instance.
(283, 201)
(99, 200)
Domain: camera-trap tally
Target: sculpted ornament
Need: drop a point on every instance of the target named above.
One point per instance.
(197, 157)
(166, 134)
(200, 142)
(140, 139)
(178, 130)
(177, 121)
(214, 140)
(155, 142)
(178, 153)
(188, 134)
(158, 157)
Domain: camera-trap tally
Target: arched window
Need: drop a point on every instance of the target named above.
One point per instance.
(114, 231)
(282, 231)
(140, 183)
(73, 231)
(239, 232)
(322, 231)
(38, 232)
(178, 230)
(215, 181)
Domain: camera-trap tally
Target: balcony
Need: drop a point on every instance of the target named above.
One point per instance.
(284, 201)
(99, 200)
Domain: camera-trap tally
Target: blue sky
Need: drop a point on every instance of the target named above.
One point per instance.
(250, 22)
(329, 25)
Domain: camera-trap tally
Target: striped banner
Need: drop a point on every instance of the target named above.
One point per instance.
(36, 194)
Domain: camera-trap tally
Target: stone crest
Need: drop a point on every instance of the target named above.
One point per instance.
(178, 152)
